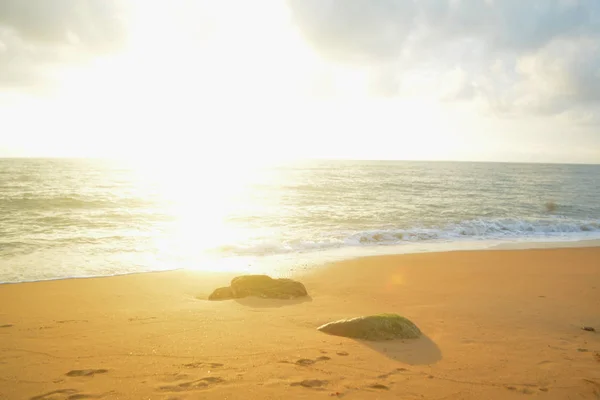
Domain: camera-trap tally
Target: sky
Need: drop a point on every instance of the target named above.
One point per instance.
(481, 80)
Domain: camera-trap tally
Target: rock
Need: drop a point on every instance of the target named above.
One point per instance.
(589, 329)
(223, 293)
(260, 286)
(266, 287)
(374, 327)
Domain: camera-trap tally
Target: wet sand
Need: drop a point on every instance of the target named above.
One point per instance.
(498, 325)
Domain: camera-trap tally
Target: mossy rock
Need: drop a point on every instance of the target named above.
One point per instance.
(260, 286)
(266, 287)
(374, 327)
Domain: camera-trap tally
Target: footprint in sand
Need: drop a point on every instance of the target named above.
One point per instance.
(305, 362)
(311, 383)
(55, 394)
(202, 364)
(192, 385)
(593, 383)
(175, 377)
(85, 372)
(547, 365)
(6, 326)
(595, 386)
(71, 321)
(394, 372)
(526, 390)
(82, 396)
(67, 394)
(41, 328)
(597, 357)
(378, 386)
(342, 353)
(134, 319)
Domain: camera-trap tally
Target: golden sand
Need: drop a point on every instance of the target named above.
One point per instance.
(497, 325)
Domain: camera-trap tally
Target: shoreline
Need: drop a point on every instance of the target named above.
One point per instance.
(289, 264)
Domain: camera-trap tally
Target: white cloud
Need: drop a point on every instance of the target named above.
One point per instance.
(538, 56)
(37, 36)
(338, 74)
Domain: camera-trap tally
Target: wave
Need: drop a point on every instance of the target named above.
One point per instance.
(20, 247)
(69, 202)
(316, 239)
(480, 229)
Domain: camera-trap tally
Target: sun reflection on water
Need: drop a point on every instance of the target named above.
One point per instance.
(198, 201)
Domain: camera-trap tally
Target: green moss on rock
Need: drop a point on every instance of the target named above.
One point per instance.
(260, 286)
(374, 327)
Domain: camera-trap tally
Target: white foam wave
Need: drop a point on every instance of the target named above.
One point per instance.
(481, 229)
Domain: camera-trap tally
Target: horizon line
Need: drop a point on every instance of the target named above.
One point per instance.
(314, 159)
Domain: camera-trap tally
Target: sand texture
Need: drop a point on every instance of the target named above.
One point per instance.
(495, 324)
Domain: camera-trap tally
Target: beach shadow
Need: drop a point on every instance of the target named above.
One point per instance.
(257, 302)
(422, 351)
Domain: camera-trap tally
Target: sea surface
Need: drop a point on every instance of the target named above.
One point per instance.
(63, 218)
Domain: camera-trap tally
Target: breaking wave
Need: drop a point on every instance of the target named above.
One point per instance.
(555, 229)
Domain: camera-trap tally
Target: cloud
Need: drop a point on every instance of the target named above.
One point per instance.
(380, 29)
(35, 35)
(95, 24)
(510, 57)
(355, 30)
(559, 75)
(536, 56)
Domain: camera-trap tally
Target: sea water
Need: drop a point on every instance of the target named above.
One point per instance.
(63, 218)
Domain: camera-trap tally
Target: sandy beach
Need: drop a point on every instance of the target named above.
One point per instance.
(497, 324)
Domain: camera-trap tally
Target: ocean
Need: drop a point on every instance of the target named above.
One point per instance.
(62, 218)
